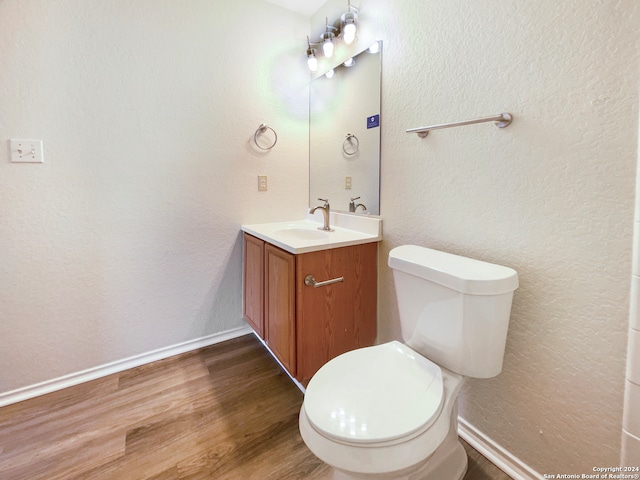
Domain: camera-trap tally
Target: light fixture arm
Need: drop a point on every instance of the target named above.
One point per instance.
(311, 45)
(330, 28)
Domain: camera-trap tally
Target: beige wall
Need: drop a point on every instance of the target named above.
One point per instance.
(126, 239)
(551, 196)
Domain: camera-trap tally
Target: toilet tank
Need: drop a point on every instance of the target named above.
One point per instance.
(453, 310)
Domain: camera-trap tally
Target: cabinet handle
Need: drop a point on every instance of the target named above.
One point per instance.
(310, 281)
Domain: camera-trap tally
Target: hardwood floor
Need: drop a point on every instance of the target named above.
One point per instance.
(223, 412)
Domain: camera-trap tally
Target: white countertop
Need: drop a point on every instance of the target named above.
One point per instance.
(303, 236)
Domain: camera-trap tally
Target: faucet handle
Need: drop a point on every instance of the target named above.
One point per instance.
(325, 200)
(354, 199)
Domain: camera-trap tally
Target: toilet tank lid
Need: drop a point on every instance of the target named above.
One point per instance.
(462, 274)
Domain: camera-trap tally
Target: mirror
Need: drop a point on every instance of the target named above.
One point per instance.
(344, 135)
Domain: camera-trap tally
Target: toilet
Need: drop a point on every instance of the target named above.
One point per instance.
(390, 411)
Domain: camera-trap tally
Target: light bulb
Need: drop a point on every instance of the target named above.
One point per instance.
(312, 62)
(349, 32)
(327, 48)
(374, 48)
(330, 73)
(350, 62)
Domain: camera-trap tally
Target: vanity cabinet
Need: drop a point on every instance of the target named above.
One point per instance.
(306, 326)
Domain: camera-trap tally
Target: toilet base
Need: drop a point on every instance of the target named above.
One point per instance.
(449, 462)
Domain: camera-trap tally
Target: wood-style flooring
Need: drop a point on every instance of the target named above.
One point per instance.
(222, 412)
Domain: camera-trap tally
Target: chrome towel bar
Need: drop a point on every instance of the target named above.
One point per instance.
(310, 281)
(501, 121)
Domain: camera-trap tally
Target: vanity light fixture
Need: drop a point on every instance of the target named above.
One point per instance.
(343, 29)
(348, 25)
(327, 40)
(312, 61)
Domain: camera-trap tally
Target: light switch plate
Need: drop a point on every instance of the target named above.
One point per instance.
(262, 183)
(347, 183)
(26, 151)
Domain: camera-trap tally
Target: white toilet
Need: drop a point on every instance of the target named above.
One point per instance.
(390, 411)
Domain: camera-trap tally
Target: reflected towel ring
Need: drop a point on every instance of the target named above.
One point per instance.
(261, 129)
(348, 139)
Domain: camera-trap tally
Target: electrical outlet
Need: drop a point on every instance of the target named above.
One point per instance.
(262, 183)
(26, 151)
(347, 183)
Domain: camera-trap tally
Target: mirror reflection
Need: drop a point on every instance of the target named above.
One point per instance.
(344, 135)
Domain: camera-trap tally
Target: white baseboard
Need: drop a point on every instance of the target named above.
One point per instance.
(31, 391)
(497, 455)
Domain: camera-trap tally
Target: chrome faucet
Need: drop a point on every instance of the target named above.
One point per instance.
(353, 207)
(326, 211)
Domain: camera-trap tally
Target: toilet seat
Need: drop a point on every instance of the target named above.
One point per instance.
(382, 394)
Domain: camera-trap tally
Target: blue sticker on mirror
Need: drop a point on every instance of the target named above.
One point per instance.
(373, 121)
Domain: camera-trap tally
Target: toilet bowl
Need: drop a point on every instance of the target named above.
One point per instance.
(381, 412)
(390, 411)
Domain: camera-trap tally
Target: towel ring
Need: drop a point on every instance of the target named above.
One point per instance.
(348, 139)
(261, 129)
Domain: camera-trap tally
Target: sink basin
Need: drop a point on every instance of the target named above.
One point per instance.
(303, 236)
(296, 233)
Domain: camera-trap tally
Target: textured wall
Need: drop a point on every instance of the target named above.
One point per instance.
(127, 238)
(551, 196)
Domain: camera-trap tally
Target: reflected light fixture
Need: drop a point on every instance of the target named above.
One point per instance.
(374, 48)
(330, 73)
(350, 62)
(343, 29)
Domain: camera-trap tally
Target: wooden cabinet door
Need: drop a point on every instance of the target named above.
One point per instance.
(279, 305)
(336, 318)
(253, 286)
